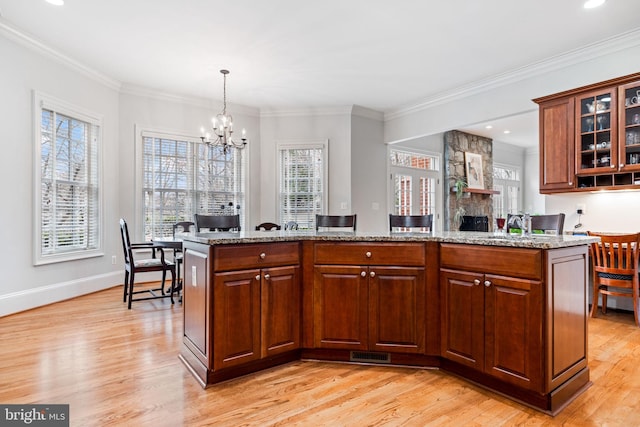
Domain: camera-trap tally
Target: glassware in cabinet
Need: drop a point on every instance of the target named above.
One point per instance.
(630, 126)
(596, 114)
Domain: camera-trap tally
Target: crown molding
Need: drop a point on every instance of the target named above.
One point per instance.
(146, 92)
(622, 41)
(367, 113)
(38, 46)
(299, 112)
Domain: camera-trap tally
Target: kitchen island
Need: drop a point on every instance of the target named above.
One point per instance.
(507, 313)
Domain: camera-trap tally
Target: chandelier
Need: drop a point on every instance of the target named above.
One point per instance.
(222, 125)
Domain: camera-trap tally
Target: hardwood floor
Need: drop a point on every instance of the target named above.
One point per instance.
(120, 367)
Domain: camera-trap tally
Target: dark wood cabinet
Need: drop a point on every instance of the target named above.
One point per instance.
(504, 311)
(369, 307)
(557, 155)
(590, 137)
(236, 308)
(241, 308)
(513, 319)
(493, 324)
(280, 310)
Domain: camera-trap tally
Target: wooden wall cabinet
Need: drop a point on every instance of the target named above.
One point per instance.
(369, 297)
(590, 137)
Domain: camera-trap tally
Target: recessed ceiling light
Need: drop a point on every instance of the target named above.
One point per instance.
(488, 127)
(590, 4)
(507, 131)
(55, 2)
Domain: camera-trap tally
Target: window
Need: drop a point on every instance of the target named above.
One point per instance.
(506, 180)
(302, 183)
(415, 178)
(67, 184)
(182, 176)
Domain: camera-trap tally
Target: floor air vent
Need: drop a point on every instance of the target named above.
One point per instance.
(368, 357)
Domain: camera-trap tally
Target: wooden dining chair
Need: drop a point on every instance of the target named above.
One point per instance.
(133, 265)
(406, 222)
(217, 222)
(338, 221)
(267, 226)
(615, 269)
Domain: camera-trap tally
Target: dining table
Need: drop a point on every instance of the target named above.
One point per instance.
(175, 244)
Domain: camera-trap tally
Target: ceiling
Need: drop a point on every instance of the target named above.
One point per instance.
(292, 54)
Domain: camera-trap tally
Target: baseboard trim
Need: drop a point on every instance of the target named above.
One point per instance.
(37, 297)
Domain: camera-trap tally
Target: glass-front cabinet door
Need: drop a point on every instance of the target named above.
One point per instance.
(596, 136)
(629, 126)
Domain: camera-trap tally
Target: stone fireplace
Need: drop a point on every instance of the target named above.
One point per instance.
(456, 143)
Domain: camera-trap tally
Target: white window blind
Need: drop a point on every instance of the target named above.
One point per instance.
(182, 176)
(68, 208)
(302, 183)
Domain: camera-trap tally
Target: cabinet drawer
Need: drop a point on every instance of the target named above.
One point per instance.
(370, 253)
(516, 262)
(237, 257)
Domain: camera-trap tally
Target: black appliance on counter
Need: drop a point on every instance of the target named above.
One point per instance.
(474, 223)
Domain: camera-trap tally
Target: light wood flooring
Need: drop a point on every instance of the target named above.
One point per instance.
(119, 367)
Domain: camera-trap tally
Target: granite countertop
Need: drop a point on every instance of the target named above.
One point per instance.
(538, 241)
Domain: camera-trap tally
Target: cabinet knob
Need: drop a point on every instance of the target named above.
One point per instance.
(372, 274)
(258, 277)
(621, 165)
(476, 282)
(363, 273)
(267, 276)
(368, 254)
(487, 283)
(614, 166)
(570, 182)
(263, 255)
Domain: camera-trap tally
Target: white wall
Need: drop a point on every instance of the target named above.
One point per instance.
(24, 286)
(300, 127)
(368, 171)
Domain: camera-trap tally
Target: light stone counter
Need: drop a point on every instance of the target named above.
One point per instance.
(536, 241)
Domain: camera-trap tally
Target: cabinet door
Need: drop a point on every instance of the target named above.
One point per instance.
(236, 314)
(397, 309)
(629, 126)
(280, 310)
(462, 327)
(557, 136)
(596, 137)
(513, 331)
(340, 307)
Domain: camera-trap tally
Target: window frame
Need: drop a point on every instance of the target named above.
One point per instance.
(507, 183)
(435, 173)
(139, 199)
(303, 145)
(42, 101)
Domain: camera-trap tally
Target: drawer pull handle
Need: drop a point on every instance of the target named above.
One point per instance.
(372, 274)
(258, 277)
(476, 282)
(267, 276)
(487, 283)
(368, 254)
(263, 255)
(363, 273)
